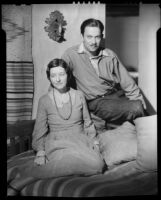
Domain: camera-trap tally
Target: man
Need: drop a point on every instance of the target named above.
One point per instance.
(110, 91)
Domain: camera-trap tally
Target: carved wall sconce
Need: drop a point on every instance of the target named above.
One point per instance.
(55, 26)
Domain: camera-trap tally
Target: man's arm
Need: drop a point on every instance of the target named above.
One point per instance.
(66, 58)
(127, 83)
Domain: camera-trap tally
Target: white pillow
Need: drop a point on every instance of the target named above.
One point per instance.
(119, 145)
(146, 128)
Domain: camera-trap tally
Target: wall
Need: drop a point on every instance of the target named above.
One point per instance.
(134, 41)
(149, 23)
(122, 38)
(44, 49)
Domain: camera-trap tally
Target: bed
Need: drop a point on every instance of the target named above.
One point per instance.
(129, 173)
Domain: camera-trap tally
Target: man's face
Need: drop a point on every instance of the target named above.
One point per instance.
(92, 38)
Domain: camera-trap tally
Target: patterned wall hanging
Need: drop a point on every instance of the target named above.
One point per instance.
(55, 26)
(12, 29)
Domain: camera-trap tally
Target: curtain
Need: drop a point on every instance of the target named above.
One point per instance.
(16, 22)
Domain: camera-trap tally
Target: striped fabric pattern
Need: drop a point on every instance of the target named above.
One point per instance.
(20, 88)
(122, 180)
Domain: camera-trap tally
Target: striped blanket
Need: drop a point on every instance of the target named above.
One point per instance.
(20, 88)
(121, 180)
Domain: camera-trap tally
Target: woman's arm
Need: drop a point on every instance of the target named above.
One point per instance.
(39, 133)
(88, 123)
(40, 128)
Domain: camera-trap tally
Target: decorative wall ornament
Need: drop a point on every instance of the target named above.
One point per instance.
(55, 26)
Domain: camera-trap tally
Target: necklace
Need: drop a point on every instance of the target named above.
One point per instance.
(70, 101)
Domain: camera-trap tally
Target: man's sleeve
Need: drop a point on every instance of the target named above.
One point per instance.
(66, 57)
(127, 83)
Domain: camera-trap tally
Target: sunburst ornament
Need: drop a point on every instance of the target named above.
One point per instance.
(55, 26)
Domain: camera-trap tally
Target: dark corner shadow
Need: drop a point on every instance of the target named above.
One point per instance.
(150, 110)
(102, 43)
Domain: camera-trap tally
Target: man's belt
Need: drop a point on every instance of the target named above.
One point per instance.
(109, 92)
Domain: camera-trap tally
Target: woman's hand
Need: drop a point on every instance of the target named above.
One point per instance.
(96, 144)
(40, 160)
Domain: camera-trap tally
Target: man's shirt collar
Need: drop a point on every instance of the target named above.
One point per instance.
(81, 49)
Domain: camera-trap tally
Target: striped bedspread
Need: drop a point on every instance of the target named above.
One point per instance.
(20, 88)
(122, 180)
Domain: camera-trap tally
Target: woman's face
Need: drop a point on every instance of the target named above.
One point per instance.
(58, 77)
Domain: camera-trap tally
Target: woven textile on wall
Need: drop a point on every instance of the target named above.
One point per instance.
(16, 22)
(19, 91)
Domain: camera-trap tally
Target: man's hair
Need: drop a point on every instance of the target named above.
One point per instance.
(92, 23)
(56, 63)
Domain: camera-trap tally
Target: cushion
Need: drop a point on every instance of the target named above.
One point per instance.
(119, 145)
(146, 128)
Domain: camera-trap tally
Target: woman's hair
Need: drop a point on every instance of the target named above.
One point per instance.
(59, 63)
(92, 23)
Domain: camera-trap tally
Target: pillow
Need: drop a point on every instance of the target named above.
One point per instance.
(119, 145)
(146, 128)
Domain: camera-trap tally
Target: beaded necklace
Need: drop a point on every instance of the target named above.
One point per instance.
(70, 101)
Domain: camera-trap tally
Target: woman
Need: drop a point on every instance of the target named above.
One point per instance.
(64, 136)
